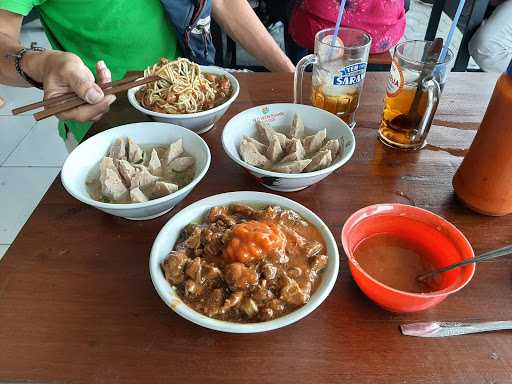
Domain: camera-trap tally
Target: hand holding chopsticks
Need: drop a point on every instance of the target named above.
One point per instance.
(65, 102)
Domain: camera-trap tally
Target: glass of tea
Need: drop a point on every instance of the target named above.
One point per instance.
(339, 67)
(413, 89)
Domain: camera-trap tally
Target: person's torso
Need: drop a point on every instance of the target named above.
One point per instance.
(126, 34)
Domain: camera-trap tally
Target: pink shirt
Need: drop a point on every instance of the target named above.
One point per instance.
(384, 20)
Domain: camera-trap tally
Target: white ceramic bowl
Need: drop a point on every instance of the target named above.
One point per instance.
(199, 122)
(168, 236)
(87, 156)
(280, 115)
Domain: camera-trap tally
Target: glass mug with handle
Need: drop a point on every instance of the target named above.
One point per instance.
(338, 71)
(409, 106)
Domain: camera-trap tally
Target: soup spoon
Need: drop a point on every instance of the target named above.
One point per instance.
(484, 256)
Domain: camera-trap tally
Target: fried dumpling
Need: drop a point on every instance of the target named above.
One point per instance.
(274, 151)
(126, 170)
(162, 189)
(295, 151)
(291, 167)
(321, 160)
(262, 148)
(143, 179)
(251, 155)
(137, 196)
(181, 163)
(118, 149)
(135, 153)
(112, 186)
(297, 127)
(314, 142)
(155, 166)
(332, 145)
(266, 132)
(175, 150)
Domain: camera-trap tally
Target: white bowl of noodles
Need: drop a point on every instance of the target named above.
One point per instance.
(199, 122)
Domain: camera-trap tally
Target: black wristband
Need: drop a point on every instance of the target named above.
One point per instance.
(19, 68)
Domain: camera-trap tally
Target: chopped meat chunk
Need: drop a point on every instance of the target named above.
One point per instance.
(232, 301)
(261, 293)
(269, 271)
(292, 293)
(249, 307)
(242, 209)
(173, 267)
(318, 262)
(193, 240)
(214, 302)
(294, 272)
(193, 269)
(211, 272)
(192, 288)
(239, 276)
(312, 248)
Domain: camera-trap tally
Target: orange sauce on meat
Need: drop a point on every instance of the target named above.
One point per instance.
(252, 240)
(395, 262)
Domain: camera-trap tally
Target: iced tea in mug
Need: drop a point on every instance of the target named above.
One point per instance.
(338, 71)
(411, 129)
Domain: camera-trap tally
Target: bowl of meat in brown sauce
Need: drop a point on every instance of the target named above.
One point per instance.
(244, 262)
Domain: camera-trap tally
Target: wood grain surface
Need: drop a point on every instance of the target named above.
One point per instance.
(77, 304)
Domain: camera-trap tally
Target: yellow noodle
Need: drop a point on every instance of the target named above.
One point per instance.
(183, 88)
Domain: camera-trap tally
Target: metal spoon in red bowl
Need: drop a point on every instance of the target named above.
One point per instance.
(484, 256)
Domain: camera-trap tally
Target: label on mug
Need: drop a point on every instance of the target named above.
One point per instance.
(395, 80)
(350, 75)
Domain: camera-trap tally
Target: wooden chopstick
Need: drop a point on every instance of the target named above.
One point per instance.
(76, 102)
(66, 96)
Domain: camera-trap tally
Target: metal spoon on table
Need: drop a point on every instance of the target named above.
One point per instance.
(484, 256)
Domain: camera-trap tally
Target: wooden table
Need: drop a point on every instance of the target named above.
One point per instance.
(77, 304)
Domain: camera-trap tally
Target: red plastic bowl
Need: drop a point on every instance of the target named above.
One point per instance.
(441, 240)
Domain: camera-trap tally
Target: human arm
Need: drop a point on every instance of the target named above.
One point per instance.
(60, 72)
(240, 22)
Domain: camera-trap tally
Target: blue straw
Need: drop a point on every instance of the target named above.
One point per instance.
(338, 24)
(452, 29)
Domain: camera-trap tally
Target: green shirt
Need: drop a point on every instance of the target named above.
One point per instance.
(126, 34)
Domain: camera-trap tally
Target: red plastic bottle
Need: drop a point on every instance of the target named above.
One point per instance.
(484, 180)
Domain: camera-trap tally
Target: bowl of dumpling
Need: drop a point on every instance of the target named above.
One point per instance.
(137, 171)
(288, 147)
